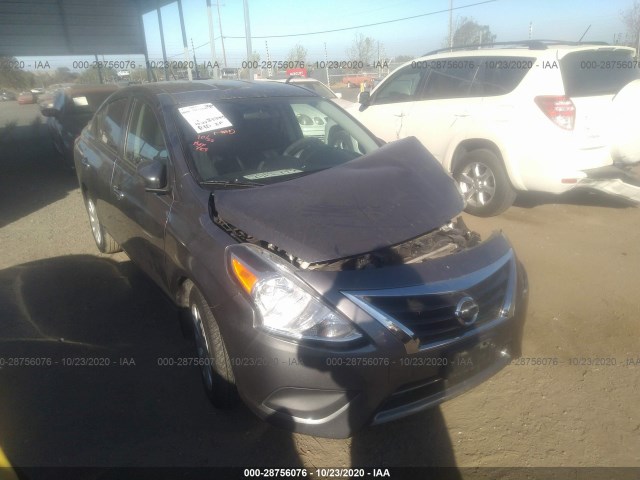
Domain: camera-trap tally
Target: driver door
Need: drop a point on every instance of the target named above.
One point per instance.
(142, 215)
(391, 103)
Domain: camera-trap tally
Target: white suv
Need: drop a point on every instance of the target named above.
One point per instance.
(535, 115)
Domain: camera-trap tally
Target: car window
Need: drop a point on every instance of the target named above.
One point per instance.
(268, 140)
(450, 78)
(145, 142)
(401, 87)
(597, 72)
(499, 75)
(108, 124)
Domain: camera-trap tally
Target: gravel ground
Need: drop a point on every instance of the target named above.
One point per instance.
(581, 252)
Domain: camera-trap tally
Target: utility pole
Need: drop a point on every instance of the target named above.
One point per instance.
(269, 69)
(212, 40)
(326, 65)
(99, 69)
(164, 50)
(450, 23)
(224, 53)
(184, 39)
(195, 62)
(247, 34)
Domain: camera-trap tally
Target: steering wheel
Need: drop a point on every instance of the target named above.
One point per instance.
(342, 140)
(297, 149)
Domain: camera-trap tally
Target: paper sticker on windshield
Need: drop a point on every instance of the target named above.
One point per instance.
(204, 117)
(80, 101)
(275, 173)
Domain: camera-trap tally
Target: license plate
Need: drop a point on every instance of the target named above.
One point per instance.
(463, 364)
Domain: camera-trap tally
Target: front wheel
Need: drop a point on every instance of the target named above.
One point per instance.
(217, 375)
(484, 183)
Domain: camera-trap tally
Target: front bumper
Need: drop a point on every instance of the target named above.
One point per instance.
(334, 393)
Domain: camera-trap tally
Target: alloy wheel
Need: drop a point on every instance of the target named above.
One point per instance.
(94, 222)
(478, 184)
(202, 346)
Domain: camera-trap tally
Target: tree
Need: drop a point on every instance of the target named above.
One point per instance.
(297, 54)
(469, 32)
(91, 75)
(631, 19)
(363, 49)
(64, 75)
(402, 58)
(14, 77)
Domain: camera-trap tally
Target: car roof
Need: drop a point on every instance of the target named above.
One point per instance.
(527, 48)
(208, 90)
(80, 89)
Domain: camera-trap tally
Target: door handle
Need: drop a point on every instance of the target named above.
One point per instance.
(119, 193)
(85, 162)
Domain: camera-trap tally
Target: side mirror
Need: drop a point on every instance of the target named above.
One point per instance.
(364, 98)
(338, 94)
(49, 111)
(154, 176)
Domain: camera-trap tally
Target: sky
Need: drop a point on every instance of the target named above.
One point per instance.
(508, 19)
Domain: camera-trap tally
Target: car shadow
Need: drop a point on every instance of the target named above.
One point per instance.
(32, 175)
(95, 372)
(583, 197)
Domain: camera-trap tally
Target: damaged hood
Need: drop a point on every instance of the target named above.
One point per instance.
(396, 193)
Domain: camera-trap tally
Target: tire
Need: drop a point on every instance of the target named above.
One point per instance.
(484, 183)
(217, 375)
(104, 241)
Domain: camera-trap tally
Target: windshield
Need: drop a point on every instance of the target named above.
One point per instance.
(88, 102)
(268, 140)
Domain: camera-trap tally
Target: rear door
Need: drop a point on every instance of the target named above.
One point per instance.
(97, 157)
(142, 215)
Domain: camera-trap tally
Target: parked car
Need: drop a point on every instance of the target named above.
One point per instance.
(25, 98)
(70, 111)
(329, 288)
(541, 116)
(356, 80)
(318, 87)
(6, 95)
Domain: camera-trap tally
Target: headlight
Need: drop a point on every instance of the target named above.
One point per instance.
(286, 305)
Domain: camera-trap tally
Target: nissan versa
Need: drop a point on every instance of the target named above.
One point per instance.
(328, 279)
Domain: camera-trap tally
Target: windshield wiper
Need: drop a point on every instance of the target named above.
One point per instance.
(231, 183)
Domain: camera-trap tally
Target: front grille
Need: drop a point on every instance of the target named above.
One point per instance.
(431, 317)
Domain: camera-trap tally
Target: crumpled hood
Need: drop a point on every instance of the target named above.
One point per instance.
(396, 193)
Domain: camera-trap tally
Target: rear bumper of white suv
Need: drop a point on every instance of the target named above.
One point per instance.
(613, 181)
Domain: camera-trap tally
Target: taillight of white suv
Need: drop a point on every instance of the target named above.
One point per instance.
(559, 109)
